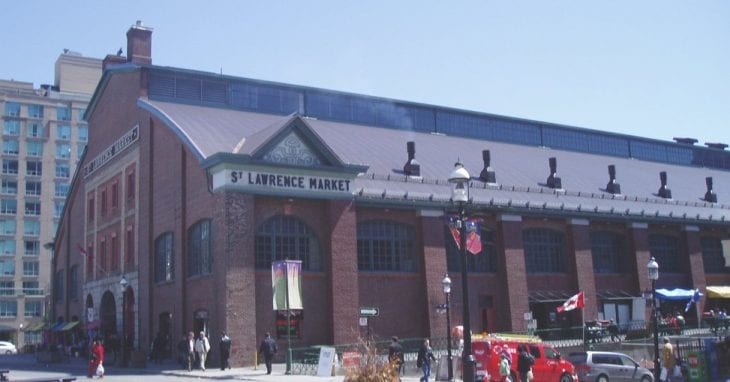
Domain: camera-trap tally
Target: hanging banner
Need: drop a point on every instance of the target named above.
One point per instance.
(286, 282)
(293, 324)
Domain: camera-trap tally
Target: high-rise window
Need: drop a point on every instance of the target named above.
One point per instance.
(83, 134)
(32, 208)
(7, 288)
(7, 267)
(8, 308)
(32, 248)
(63, 132)
(32, 309)
(58, 208)
(9, 187)
(63, 151)
(31, 269)
(80, 115)
(63, 170)
(7, 227)
(34, 168)
(7, 247)
(11, 147)
(11, 127)
(34, 130)
(8, 206)
(12, 109)
(34, 149)
(63, 113)
(10, 167)
(32, 188)
(31, 227)
(61, 190)
(35, 111)
(32, 288)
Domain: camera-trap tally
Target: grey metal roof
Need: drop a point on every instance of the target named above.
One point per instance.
(521, 171)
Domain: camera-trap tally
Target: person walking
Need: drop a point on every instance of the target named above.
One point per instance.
(96, 359)
(202, 347)
(425, 356)
(395, 355)
(505, 365)
(268, 349)
(525, 360)
(668, 361)
(225, 348)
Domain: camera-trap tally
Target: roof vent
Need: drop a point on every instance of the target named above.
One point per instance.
(710, 195)
(664, 191)
(685, 141)
(412, 167)
(612, 187)
(487, 175)
(712, 145)
(553, 181)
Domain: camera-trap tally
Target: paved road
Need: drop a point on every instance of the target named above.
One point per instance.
(24, 366)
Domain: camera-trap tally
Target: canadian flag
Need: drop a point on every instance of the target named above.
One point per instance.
(572, 303)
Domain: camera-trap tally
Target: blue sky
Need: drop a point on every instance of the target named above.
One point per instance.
(656, 69)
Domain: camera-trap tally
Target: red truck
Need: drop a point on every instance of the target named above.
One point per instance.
(549, 365)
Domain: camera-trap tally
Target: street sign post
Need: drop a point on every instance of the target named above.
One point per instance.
(368, 312)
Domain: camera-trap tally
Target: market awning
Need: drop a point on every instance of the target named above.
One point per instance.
(718, 291)
(7, 328)
(675, 294)
(35, 327)
(57, 327)
(68, 326)
(545, 296)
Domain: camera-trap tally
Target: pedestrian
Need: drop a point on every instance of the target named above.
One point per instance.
(505, 366)
(190, 344)
(96, 359)
(202, 347)
(525, 360)
(395, 355)
(268, 349)
(225, 348)
(425, 356)
(613, 331)
(669, 361)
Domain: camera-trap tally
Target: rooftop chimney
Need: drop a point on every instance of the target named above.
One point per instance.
(710, 195)
(487, 175)
(712, 145)
(613, 187)
(664, 191)
(412, 167)
(139, 44)
(685, 141)
(553, 181)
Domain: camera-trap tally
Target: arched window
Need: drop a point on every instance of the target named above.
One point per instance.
(287, 238)
(609, 252)
(544, 250)
(385, 246)
(484, 261)
(200, 258)
(713, 256)
(665, 250)
(164, 258)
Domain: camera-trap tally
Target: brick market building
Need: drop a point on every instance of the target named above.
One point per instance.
(193, 182)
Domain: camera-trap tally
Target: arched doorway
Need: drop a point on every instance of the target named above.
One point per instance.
(108, 315)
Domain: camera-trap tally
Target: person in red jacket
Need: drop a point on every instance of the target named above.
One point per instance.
(96, 358)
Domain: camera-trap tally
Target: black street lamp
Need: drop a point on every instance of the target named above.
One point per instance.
(459, 180)
(123, 289)
(446, 282)
(652, 268)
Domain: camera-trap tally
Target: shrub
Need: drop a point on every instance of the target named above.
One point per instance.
(373, 367)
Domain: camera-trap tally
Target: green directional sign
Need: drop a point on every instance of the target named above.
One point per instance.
(368, 312)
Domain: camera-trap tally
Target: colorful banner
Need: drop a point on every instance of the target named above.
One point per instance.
(286, 282)
(473, 234)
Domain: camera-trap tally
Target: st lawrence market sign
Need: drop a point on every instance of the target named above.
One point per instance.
(279, 181)
(113, 150)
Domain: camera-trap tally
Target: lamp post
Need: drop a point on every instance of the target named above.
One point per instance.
(123, 289)
(459, 180)
(652, 268)
(446, 282)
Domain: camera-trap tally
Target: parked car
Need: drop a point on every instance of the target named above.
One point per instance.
(7, 348)
(548, 367)
(598, 366)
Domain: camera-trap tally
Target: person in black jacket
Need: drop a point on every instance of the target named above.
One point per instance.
(268, 349)
(525, 361)
(225, 348)
(425, 356)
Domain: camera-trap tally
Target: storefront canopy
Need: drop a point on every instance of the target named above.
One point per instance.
(675, 294)
(718, 291)
(35, 327)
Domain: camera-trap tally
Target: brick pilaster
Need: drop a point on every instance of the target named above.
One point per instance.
(344, 290)
(580, 235)
(434, 269)
(694, 251)
(517, 293)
